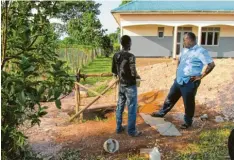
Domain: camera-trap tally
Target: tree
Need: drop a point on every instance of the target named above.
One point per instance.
(107, 45)
(124, 2)
(115, 40)
(114, 37)
(31, 71)
(86, 30)
(81, 22)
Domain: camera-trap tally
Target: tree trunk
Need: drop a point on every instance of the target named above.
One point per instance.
(4, 36)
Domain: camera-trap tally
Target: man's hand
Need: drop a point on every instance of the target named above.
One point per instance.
(209, 68)
(195, 78)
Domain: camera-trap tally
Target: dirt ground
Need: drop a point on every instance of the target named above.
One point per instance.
(141, 62)
(216, 90)
(55, 133)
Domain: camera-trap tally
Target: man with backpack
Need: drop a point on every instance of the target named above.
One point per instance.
(124, 67)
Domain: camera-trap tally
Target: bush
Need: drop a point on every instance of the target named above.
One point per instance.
(116, 47)
(31, 72)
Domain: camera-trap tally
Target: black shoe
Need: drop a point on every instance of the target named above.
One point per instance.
(121, 130)
(136, 134)
(156, 114)
(185, 126)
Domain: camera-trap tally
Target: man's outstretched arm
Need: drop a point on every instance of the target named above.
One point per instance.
(208, 69)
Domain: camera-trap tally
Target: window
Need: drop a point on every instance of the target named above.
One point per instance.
(210, 36)
(160, 32)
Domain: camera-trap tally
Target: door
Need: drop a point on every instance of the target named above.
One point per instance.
(180, 35)
(179, 45)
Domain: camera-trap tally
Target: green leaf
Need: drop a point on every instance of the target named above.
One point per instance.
(57, 92)
(58, 103)
(42, 113)
(44, 107)
(21, 98)
(30, 69)
(41, 89)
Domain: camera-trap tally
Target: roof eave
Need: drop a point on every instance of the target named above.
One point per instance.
(116, 18)
(169, 12)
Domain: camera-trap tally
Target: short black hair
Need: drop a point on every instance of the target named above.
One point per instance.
(125, 41)
(191, 36)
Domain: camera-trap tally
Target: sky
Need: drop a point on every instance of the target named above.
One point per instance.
(106, 18)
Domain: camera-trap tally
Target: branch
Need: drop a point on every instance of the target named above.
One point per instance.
(4, 46)
(7, 59)
(36, 36)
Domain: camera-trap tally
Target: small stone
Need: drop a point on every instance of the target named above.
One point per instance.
(219, 119)
(204, 117)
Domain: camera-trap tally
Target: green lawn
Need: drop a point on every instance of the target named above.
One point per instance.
(99, 65)
(211, 145)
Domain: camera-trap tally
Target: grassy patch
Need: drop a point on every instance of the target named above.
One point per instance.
(99, 65)
(100, 119)
(98, 89)
(212, 144)
(136, 157)
(69, 154)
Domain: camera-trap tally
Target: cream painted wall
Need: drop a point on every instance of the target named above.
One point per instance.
(152, 30)
(226, 31)
(146, 30)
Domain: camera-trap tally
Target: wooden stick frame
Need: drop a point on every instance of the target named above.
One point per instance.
(96, 98)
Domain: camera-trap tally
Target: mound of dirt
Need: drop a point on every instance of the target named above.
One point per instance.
(216, 90)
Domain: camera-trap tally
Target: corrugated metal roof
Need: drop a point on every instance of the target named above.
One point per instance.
(156, 6)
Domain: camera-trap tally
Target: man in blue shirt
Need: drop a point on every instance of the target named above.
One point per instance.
(188, 78)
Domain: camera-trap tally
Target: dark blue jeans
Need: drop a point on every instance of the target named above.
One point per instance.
(188, 92)
(128, 96)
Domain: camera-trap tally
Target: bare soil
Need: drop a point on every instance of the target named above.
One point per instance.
(55, 133)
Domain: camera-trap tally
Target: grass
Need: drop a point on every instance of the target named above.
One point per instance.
(98, 89)
(211, 144)
(69, 154)
(74, 154)
(136, 157)
(99, 65)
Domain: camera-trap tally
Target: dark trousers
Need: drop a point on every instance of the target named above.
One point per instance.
(188, 92)
(127, 96)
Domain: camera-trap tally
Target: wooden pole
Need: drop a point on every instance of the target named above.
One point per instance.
(100, 75)
(77, 97)
(82, 110)
(98, 94)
